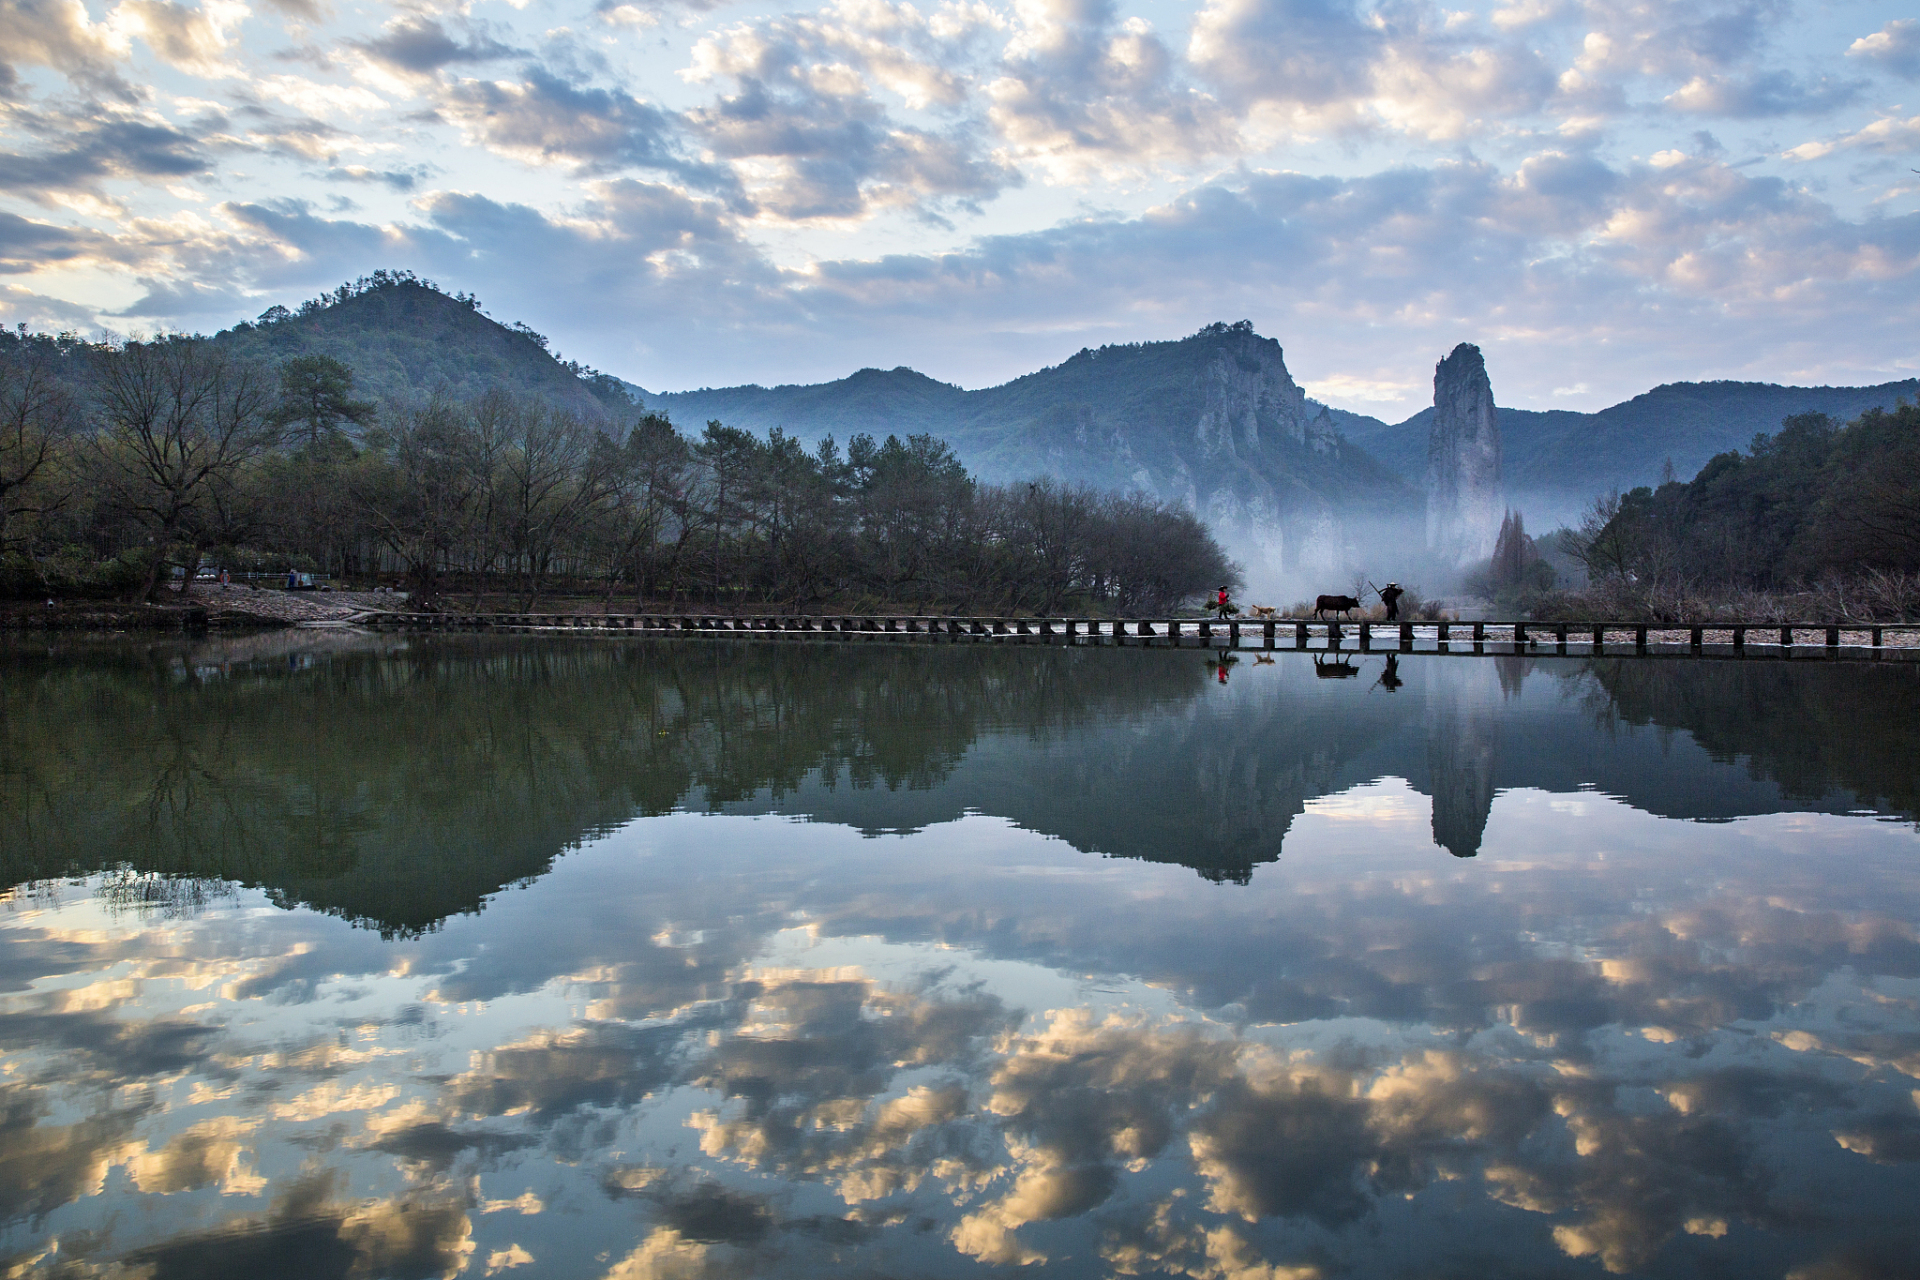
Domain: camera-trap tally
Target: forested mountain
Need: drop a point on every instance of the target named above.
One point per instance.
(1140, 415)
(1149, 414)
(1302, 495)
(491, 464)
(1568, 458)
(406, 340)
(1131, 415)
(1214, 421)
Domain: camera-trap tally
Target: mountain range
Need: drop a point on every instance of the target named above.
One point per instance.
(1556, 460)
(1214, 420)
(1558, 454)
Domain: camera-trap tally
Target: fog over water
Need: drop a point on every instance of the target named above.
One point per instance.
(341, 956)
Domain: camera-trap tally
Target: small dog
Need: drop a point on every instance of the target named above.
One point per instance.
(1262, 662)
(1261, 611)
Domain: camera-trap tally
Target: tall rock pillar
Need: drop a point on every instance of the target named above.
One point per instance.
(1464, 500)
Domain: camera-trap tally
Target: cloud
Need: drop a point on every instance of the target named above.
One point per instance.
(196, 41)
(28, 246)
(1895, 48)
(1676, 37)
(1314, 66)
(97, 147)
(407, 1235)
(300, 10)
(419, 46)
(1886, 135)
(649, 13)
(545, 120)
(1435, 89)
(43, 1166)
(808, 137)
(1772, 93)
(37, 312)
(393, 179)
(1081, 93)
(59, 34)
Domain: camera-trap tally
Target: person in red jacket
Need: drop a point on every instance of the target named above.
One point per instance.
(1224, 605)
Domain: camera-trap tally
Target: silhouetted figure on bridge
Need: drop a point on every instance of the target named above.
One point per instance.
(1390, 597)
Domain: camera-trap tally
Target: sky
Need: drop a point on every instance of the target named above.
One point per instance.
(1604, 195)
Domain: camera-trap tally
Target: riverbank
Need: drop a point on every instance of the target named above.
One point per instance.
(235, 608)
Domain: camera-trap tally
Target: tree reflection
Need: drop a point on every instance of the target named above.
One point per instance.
(401, 782)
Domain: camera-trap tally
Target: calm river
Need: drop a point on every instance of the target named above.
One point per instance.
(337, 956)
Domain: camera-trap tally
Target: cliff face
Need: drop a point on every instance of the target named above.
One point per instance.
(1464, 496)
(1214, 421)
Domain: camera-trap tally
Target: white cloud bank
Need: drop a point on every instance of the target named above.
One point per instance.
(1604, 195)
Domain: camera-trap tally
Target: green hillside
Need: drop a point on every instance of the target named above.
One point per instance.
(406, 340)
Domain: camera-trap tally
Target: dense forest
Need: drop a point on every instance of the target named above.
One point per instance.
(127, 465)
(1817, 519)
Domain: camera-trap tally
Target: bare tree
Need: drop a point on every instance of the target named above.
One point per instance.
(642, 524)
(1601, 543)
(551, 477)
(424, 501)
(178, 418)
(36, 415)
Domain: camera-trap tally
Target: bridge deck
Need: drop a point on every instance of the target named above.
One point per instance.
(1740, 639)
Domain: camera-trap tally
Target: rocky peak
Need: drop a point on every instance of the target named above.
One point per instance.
(1245, 394)
(1464, 499)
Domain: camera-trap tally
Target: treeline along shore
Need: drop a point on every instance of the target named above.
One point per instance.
(131, 467)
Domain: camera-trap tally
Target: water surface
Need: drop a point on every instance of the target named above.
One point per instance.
(336, 956)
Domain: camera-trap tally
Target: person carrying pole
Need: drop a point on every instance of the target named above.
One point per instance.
(1223, 605)
(1390, 597)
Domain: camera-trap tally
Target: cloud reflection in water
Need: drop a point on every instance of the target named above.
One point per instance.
(734, 1045)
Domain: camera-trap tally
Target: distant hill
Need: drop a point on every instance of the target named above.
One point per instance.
(1565, 458)
(1142, 395)
(1130, 415)
(876, 401)
(405, 340)
(1213, 420)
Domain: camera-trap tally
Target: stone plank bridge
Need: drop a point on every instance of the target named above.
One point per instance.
(1745, 639)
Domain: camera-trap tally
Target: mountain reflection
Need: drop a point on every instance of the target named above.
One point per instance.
(828, 982)
(400, 782)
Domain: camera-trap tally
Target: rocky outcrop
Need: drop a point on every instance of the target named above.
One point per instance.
(1464, 494)
(1214, 421)
(1463, 752)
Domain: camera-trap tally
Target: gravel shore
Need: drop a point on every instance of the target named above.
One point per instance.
(209, 607)
(268, 604)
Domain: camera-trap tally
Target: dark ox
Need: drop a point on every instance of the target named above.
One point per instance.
(1323, 605)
